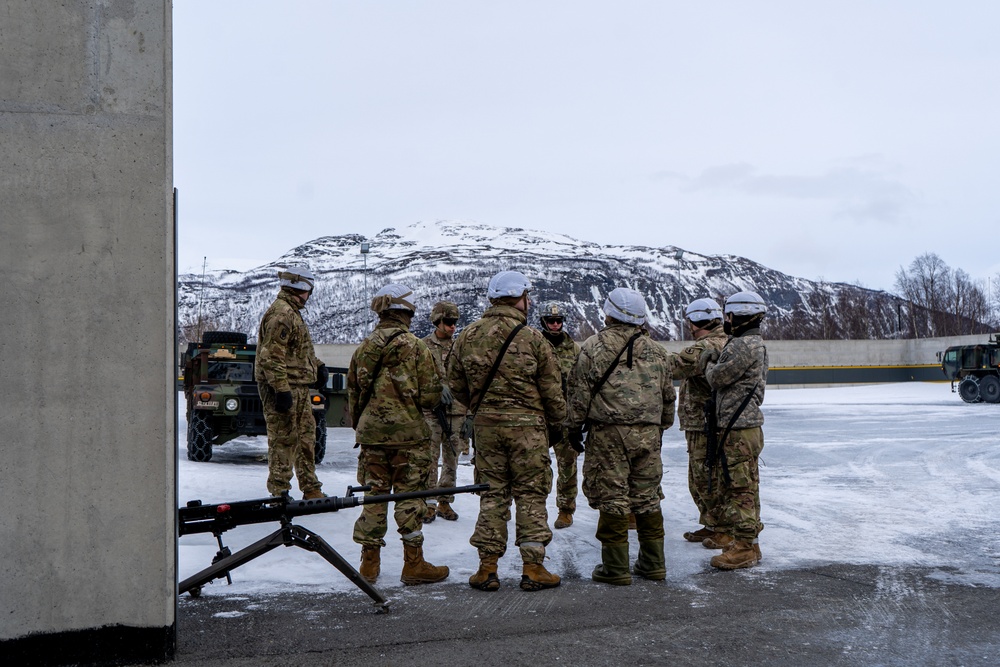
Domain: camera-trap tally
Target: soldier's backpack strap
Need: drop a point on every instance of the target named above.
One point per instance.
(493, 370)
(375, 372)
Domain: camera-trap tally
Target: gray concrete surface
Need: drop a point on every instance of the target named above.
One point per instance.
(86, 336)
(828, 615)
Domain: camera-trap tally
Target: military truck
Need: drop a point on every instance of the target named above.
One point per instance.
(976, 369)
(222, 398)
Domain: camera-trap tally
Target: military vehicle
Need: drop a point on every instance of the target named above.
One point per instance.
(222, 399)
(976, 369)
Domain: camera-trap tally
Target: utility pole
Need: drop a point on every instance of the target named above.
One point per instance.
(201, 295)
(365, 247)
(678, 256)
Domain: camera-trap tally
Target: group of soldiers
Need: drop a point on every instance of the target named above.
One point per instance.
(516, 391)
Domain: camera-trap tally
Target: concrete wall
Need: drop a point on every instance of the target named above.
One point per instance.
(87, 544)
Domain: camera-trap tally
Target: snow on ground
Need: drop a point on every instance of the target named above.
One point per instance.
(897, 474)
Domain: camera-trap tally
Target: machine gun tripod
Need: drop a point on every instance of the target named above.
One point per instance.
(217, 519)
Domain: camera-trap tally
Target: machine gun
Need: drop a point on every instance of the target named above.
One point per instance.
(217, 519)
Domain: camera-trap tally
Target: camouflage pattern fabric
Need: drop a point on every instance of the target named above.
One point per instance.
(742, 364)
(527, 389)
(740, 501)
(694, 390)
(708, 502)
(446, 450)
(291, 440)
(622, 468)
(286, 361)
(514, 461)
(406, 385)
(567, 483)
(285, 355)
(396, 469)
(643, 394)
(440, 349)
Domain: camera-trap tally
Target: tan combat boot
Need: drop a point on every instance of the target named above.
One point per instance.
(371, 563)
(485, 578)
(564, 520)
(534, 577)
(717, 541)
(429, 514)
(445, 511)
(418, 571)
(740, 554)
(631, 521)
(699, 535)
(315, 494)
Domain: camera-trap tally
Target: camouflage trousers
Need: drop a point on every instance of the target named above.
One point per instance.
(567, 483)
(514, 461)
(391, 470)
(446, 450)
(622, 469)
(740, 499)
(291, 442)
(709, 503)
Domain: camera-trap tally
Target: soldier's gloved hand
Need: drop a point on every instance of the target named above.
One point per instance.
(555, 434)
(707, 356)
(576, 440)
(446, 398)
(322, 375)
(466, 431)
(283, 401)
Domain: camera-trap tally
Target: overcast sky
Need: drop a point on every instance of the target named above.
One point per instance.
(825, 139)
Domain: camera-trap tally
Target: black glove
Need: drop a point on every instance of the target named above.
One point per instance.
(467, 429)
(576, 440)
(283, 401)
(322, 375)
(555, 434)
(446, 398)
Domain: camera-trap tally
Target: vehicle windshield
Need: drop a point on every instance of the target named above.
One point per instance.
(230, 371)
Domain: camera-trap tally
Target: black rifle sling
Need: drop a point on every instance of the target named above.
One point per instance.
(725, 434)
(375, 372)
(614, 364)
(496, 365)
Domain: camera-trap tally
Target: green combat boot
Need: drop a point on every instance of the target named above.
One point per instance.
(614, 568)
(485, 578)
(651, 563)
(418, 571)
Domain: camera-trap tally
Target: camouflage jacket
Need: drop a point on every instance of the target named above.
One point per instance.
(441, 349)
(741, 365)
(642, 394)
(567, 351)
(285, 354)
(694, 391)
(406, 385)
(527, 388)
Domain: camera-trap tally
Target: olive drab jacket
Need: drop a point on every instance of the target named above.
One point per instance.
(407, 384)
(527, 388)
(740, 369)
(694, 391)
(285, 354)
(642, 394)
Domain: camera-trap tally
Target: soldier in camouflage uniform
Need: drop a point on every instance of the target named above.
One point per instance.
(512, 418)
(704, 321)
(567, 351)
(625, 418)
(444, 317)
(285, 368)
(738, 374)
(390, 382)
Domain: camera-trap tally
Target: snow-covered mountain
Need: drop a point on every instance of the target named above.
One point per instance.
(454, 260)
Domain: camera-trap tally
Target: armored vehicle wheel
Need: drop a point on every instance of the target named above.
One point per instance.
(989, 389)
(199, 437)
(320, 446)
(968, 389)
(231, 337)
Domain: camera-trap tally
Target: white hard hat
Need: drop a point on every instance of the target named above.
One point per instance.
(744, 304)
(508, 283)
(392, 297)
(297, 277)
(625, 305)
(703, 310)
